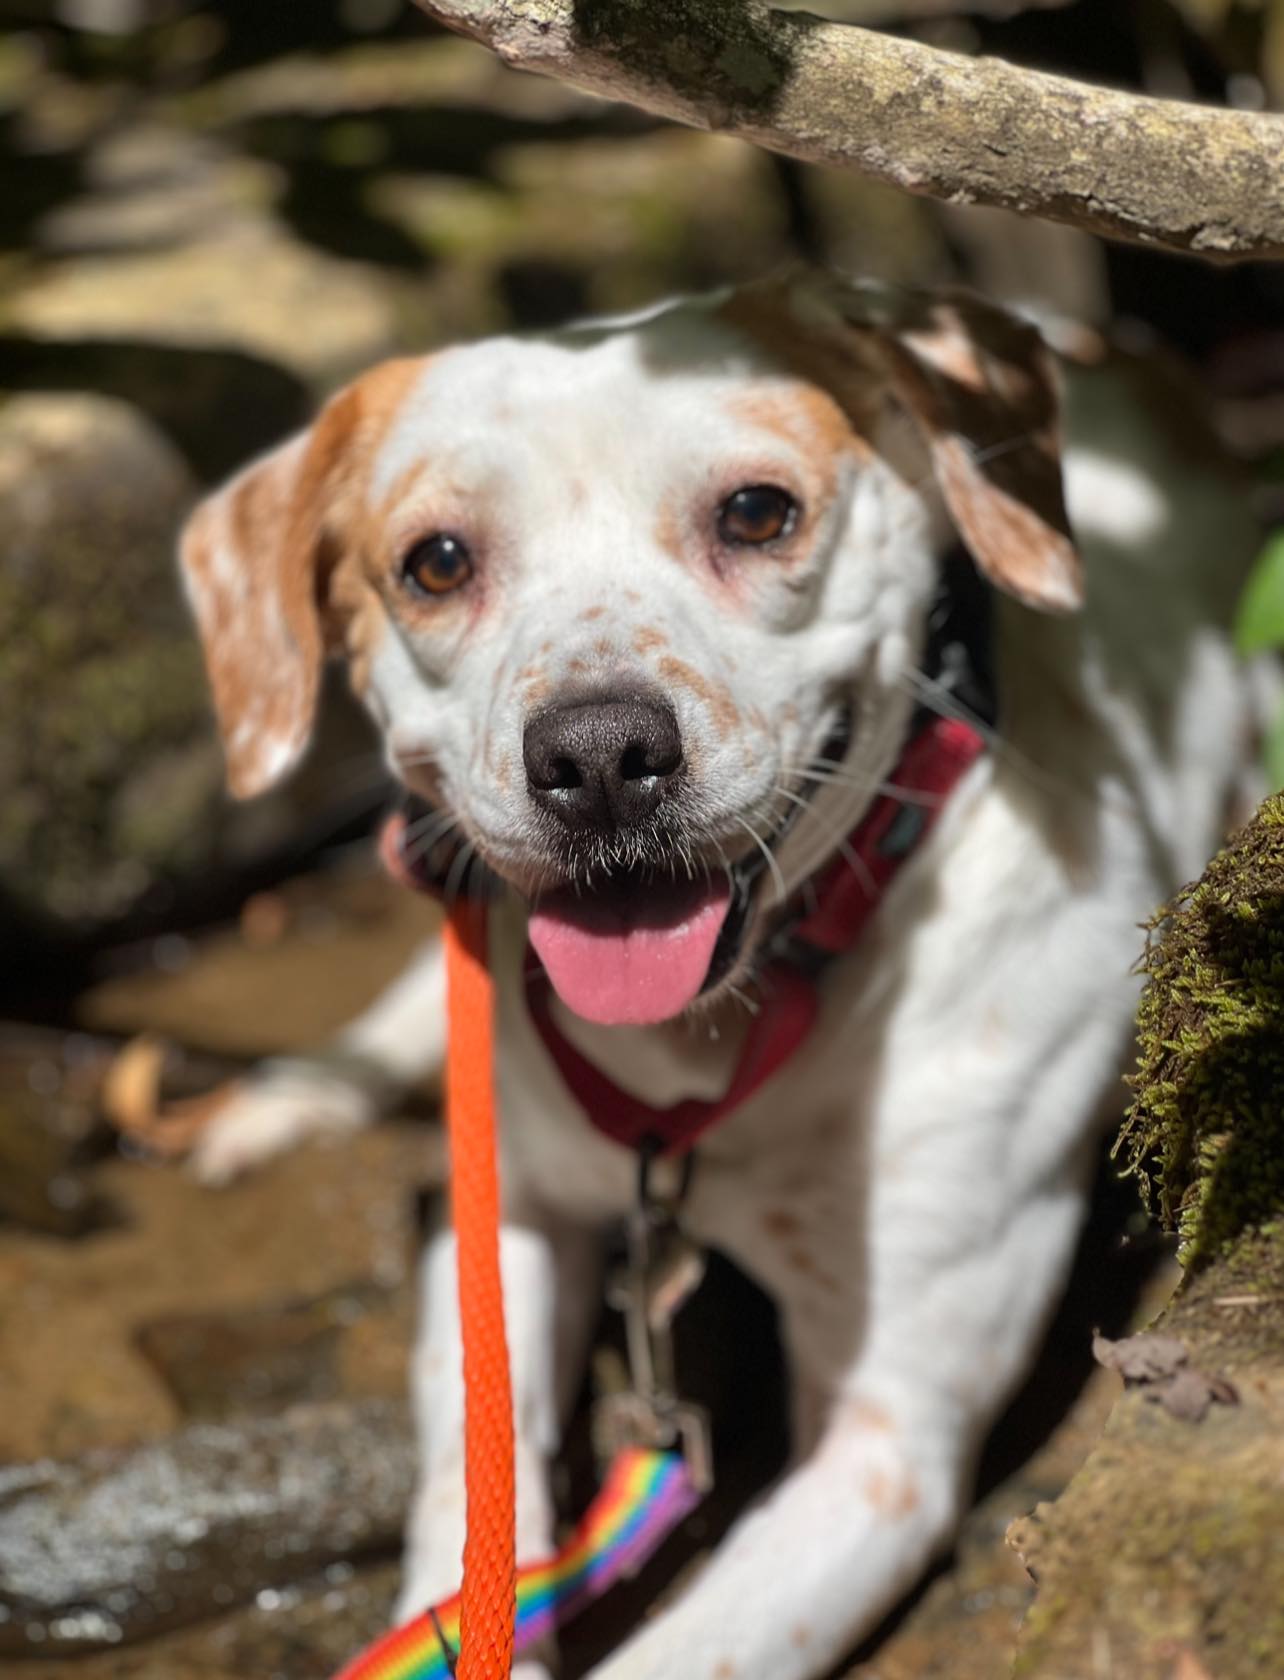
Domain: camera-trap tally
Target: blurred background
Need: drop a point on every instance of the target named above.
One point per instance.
(210, 216)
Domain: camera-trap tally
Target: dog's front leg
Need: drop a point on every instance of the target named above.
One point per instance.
(551, 1276)
(800, 1578)
(909, 1360)
(336, 1090)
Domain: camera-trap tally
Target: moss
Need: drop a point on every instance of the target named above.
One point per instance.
(1205, 1132)
(1169, 1537)
(1197, 1560)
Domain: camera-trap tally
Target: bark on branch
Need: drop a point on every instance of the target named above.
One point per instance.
(970, 130)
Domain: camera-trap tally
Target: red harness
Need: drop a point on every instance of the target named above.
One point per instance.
(831, 913)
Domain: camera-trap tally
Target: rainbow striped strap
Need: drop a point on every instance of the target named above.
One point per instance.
(645, 1496)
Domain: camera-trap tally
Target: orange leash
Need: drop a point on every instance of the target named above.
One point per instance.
(488, 1598)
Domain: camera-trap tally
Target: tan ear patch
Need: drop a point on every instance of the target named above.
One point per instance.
(978, 383)
(1016, 546)
(982, 388)
(260, 557)
(253, 594)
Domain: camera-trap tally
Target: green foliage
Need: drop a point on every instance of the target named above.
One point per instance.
(1259, 620)
(1205, 1133)
(1273, 751)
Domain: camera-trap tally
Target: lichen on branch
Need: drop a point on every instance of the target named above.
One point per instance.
(1184, 177)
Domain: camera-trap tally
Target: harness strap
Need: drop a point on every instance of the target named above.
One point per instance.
(644, 1497)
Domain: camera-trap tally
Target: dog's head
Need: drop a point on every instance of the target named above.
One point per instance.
(636, 604)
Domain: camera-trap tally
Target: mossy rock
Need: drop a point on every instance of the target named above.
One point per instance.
(101, 684)
(1164, 1557)
(1205, 1133)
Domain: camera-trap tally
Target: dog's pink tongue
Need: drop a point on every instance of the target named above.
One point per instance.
(617, 961)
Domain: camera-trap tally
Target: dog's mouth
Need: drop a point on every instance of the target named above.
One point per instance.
(628, 945)
(628, 950)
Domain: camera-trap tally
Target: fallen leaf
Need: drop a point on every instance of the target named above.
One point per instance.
(1190, 1393)
(132, 1101)
(1161, 1366)
(131, 1084)
(1141, 1359)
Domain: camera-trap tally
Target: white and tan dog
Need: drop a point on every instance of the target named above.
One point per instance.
(612, 595)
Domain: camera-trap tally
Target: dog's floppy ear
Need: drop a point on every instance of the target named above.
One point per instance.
(981, 388)
(253, 558)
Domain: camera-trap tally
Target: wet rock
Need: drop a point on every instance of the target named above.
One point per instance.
(71, 1376)
(116, 1547)
(291, 1633)
(258, 1360)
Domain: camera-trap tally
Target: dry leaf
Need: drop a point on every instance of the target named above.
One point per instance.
(1140, 1359)
(1161, 1365)
(132, 1102)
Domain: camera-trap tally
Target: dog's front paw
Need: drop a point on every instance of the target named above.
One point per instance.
(278, 1108)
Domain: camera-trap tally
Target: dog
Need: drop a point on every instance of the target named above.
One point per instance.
(650, 613)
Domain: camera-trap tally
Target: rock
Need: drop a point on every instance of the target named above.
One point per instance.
(1167, 1548)
(152, 186)
(1206, 1126)
(1164, 1558)
(115, 1547)
(220, 407)
(259, 1359)
(96, 660)
(49, 1130)
(289, 1633)
(249, 286)
(383, 76)
(112, 791)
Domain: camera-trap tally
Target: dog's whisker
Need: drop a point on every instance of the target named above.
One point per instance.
(906, 796)
(426, 831)
(842, 845)
(993, 451)
(430, 819)
(776, 873)
(458, 870)
(945, 703)
(424, 842)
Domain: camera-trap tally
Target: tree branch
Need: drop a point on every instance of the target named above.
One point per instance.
(884, 14)
(970, 130)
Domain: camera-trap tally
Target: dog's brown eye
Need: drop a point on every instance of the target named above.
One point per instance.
(757, 514)
(437, 565)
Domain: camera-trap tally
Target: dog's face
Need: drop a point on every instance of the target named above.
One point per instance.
(634, 604)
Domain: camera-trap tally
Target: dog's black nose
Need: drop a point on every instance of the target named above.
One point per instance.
(604, 763)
